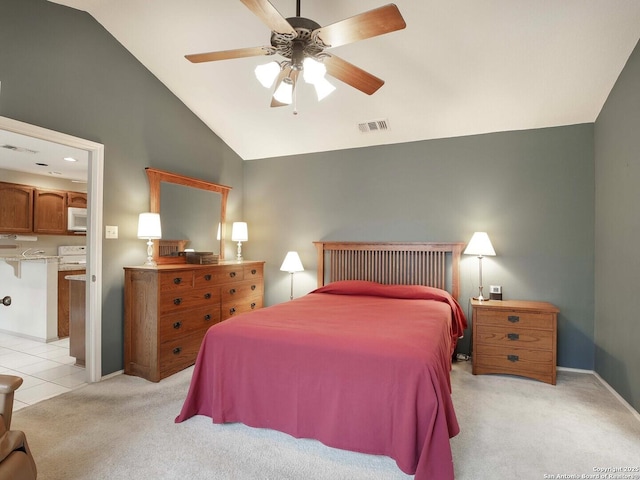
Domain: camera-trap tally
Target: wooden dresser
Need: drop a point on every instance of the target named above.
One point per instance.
(168, 309)
(515, 337)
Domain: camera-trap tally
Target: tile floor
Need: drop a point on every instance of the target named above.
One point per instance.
(46, 368)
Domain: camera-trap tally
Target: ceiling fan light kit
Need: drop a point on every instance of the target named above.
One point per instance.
(303, 44)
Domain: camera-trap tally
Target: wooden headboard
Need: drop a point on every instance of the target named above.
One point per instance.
(406, 263)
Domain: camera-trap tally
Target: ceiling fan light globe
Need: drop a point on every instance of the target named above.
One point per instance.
(313, 71)
(284, 92)
(267, 73)
(323, 88)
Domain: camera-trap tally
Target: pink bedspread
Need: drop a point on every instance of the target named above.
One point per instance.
(356, 365)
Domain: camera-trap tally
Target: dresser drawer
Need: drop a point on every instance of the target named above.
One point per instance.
(185, 300)
(516, 318)
(218, 275)
(252, 271)
(514, 337)
(188, 322)
(176, 281)
(243, 290)
(515, 359)
(179, 353)
(230, 309)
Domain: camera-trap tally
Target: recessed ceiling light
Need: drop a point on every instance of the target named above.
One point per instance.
(55, 173)
(70, 159)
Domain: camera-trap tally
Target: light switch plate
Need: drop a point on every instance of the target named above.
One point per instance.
(110, 231)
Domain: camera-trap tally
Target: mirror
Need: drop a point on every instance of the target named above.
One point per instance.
(190, 209)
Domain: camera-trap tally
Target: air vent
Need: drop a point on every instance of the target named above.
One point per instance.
(373, 126)
(18, 149)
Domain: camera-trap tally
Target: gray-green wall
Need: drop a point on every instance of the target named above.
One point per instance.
(61, 70)
(550, 212)
(617, 279)
(532, 191)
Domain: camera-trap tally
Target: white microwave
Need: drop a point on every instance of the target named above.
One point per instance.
(77, 219)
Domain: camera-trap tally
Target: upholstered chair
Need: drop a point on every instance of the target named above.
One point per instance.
(16, 461)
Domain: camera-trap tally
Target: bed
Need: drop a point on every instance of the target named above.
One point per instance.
(361, 363)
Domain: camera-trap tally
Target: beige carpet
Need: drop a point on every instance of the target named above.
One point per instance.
(123, 428)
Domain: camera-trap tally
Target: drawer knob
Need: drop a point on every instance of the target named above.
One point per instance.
(254, 271)
(177, 280)
(207, 296)
(513, 358)
(253, 305)
(207, 317)
(177, 301)
(513, 318)
(513, 336)
(232, 291)
(177, 350)
(232, 310)
(232, 274)
(207, 277)
(253, 287)
(177, 325)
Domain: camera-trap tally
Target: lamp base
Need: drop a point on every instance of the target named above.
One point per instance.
(481, 299)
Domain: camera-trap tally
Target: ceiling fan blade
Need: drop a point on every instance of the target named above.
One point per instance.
(229, 54)
(365, 25)
(352, 75)
(269, 16)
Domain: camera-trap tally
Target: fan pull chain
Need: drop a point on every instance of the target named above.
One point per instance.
(295, 97)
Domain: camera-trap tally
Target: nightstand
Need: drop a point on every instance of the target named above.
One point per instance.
(516, 337)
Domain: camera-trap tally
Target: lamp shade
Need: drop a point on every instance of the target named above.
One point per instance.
(284, 92)
(239, 232)
(480, 245)
(149, 226)
(267, 73)
(292, 263)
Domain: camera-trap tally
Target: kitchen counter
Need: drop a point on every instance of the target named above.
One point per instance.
(14, 258)
(32, 283)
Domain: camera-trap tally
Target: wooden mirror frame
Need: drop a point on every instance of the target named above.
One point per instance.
(156, 176)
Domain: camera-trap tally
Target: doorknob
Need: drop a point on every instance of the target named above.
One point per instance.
(6, 301)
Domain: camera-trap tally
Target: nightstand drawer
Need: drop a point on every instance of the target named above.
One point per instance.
(517, 337)
(515, 359)
(516, 318)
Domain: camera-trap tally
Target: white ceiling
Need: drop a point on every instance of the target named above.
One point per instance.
(40, 157)
(459, 68)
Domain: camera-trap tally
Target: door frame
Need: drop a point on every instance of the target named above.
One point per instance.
(93, 312)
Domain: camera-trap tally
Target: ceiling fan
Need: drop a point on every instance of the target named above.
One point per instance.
(303, 44)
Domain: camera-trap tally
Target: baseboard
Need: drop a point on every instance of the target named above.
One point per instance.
(633, 411)
(111, 375)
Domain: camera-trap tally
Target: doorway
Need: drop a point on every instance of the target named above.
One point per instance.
(93, 314)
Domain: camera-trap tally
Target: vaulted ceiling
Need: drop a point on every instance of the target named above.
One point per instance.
(458, 68)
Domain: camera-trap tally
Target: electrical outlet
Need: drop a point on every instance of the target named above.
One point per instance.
(111, 231)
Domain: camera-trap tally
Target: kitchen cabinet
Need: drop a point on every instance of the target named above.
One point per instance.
(77, 199)
(28, 209)
(50, 212)
(77, 298)
(63, 301)
(16, 208)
